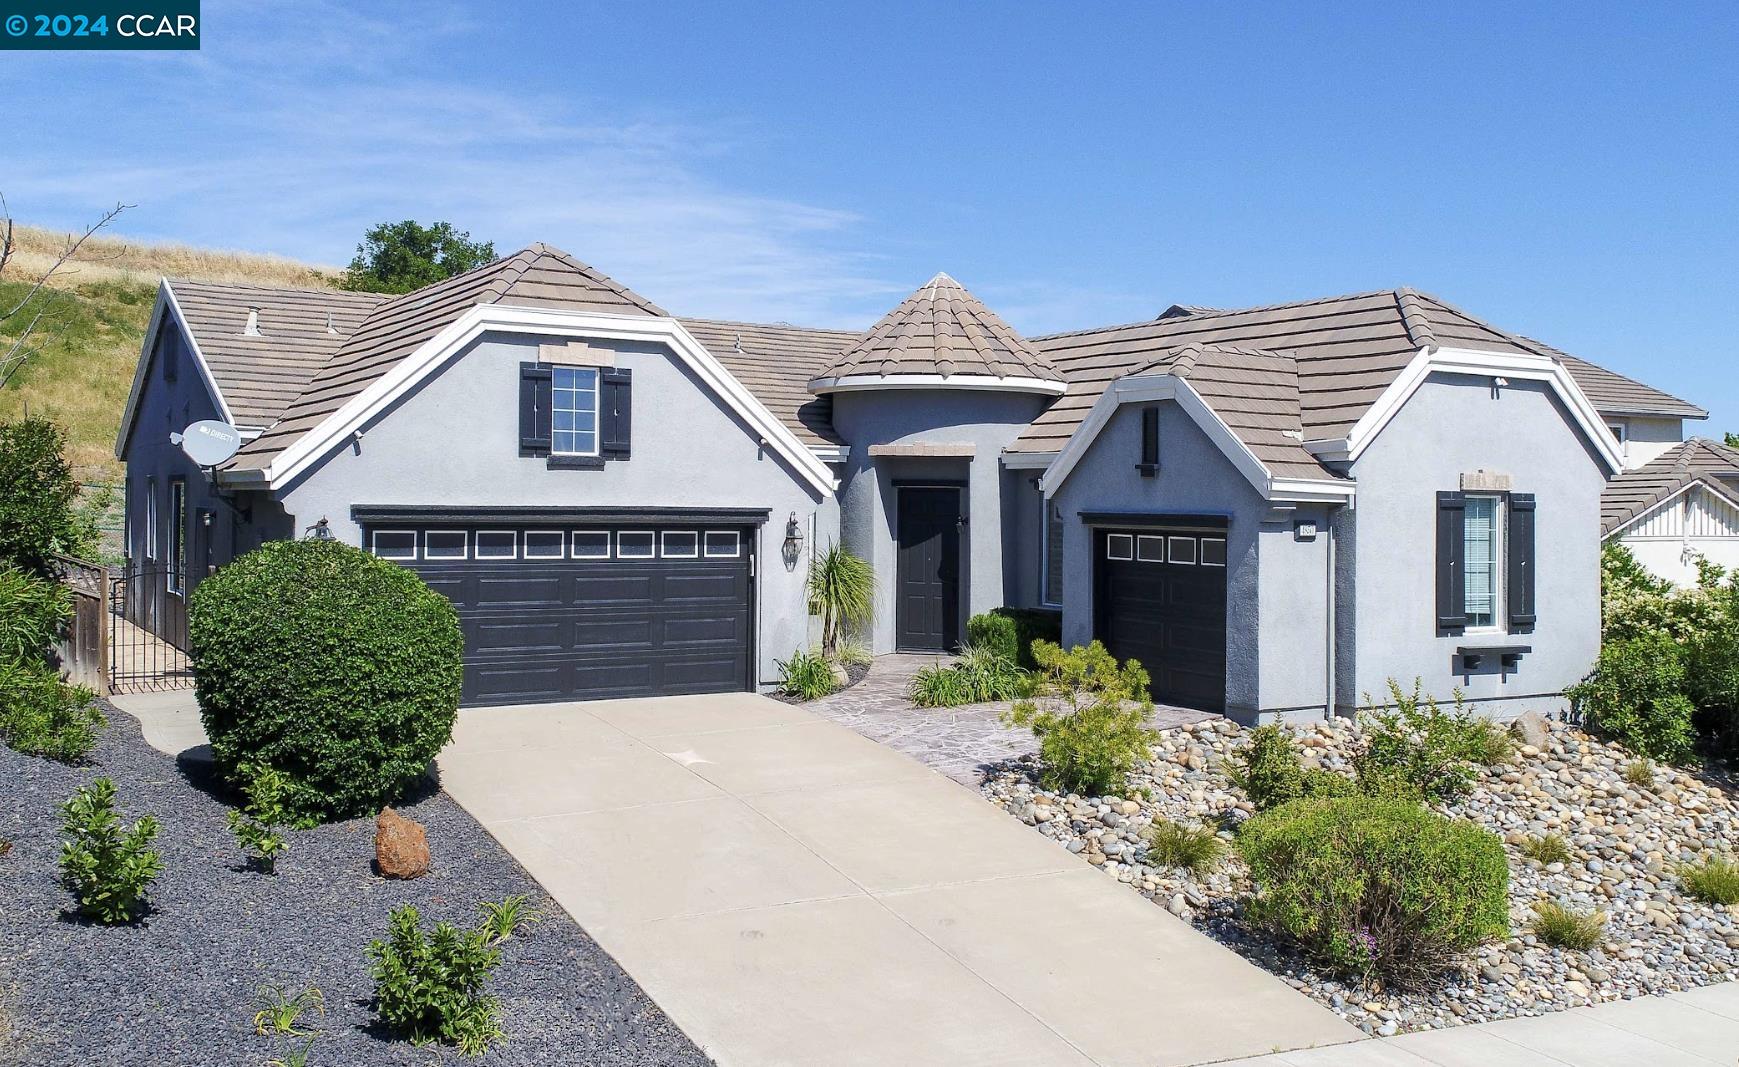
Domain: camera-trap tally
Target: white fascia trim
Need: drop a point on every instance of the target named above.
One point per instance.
(166, 303)
(1028, 461)
(1432, 360)
(858, 382)
(1145, 388)
(831, 453)
(508, 318)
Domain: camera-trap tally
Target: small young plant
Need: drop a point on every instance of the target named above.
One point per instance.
(1639, 773)
(430, 987)
(502, 918)
(1268, 768)
(1548, 849)
(107, 867)
(1193, 848)
(1562, 927)
(294, 1057)
(256, 824)
(1714, 880)
(280, 1012)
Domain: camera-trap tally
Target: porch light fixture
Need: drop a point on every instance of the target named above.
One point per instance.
(791, 550)
(320, 531)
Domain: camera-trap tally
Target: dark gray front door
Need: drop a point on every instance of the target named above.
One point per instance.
(1161, 599)
(927, 601)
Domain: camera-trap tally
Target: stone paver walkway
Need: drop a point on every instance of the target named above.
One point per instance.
(958, 742)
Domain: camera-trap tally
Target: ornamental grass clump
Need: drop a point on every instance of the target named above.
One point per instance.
(1376, 890)
(1089, 714)
(980, 674)
(806, 675)
(1714, 880)
(1196, 849)
(1563, 927)
(1549, 848)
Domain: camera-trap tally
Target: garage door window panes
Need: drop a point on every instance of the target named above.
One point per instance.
(444, 544)
(546, 544)
(635, 544)
(497, 544)
(1181, 550)
(591, 544)
(1150, 549)
(1120, 546)
(394, 544)
(1213, 551)
(723, 544)
(681, 544)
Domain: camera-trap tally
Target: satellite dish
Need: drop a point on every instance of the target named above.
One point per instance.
(208, 442)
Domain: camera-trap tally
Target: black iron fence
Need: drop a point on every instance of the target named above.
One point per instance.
(147, 629)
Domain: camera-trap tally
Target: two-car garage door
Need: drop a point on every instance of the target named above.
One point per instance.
(578, 613)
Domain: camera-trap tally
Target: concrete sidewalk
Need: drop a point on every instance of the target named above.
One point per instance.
(1698, 1028)
(793, 893)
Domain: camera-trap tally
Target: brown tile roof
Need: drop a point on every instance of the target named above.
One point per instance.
(776, 362)
(942, 329)
(1637, 491)
(1614, 394)
(300, 329)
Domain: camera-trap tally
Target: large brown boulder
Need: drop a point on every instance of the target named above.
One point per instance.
(401, 846)
(1532, 729)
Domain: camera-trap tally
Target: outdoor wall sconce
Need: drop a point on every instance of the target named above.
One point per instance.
(793, 541)
(320, 531)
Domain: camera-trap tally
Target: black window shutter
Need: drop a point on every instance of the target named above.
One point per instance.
(1451, 558)
(1519, 579)
(534, 409)
(1149, 442)
(616, 408)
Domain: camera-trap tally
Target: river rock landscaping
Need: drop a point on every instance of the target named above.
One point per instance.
(181, 986)
(1625, 842)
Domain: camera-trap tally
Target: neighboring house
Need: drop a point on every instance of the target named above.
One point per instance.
(1681, 506)
(1275, 509)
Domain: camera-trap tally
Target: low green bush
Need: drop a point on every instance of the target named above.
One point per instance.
(806, 675)
(1634, 696)
(1030, 625)
(1376, 889)
(980, 675)
(1089, 714)
(1325, 784)
(257, 824)
(1563, 927)
(1714, 880)
(41, 715)
(34, 613)
(1416, 749)
(39, 512)
(1196, 849)
(431, 987)
(1268, 768)
(994, 633)
(338, 670)
(107, 867)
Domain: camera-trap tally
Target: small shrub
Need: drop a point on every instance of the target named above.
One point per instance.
(280, 1012)
(1415, 749)
(806, 675)
(1714, 880)
(1030, 625)
(1639, 773)
(431, 987)
(995, 633)
(39, 516)
(1381, 890)
(108, 868)
(1196, 849)
(1268, 768)
(1089, 714)
(853, 652)
(255, 825)
(502, 918)
(938, 685)
(842, 590)
(339, 670)
(40, 715)
(1634, 695)
(34, 613)
(1548, 849)
(1562, 927)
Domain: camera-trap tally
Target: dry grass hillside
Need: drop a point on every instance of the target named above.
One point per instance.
(101, 304)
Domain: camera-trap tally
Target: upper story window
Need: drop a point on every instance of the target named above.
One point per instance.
(1482, 572)
(574, 411)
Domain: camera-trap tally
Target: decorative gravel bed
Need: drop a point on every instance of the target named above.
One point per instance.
(1625, 842)
(180, 987)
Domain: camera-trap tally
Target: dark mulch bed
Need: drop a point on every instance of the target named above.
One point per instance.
(854, 673)
(181, 986)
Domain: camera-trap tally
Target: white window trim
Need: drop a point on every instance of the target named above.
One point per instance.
(1110, 538)
(152, 515)
(477, 544)
(626, 533)
(597, 413)
(664, 544)
(1139, 538)
(736, 537)
(374, 543)
(573, 544)
(1202, 556)
(1195, 552)
(464, 553)
(561, 551)
(1499, 564)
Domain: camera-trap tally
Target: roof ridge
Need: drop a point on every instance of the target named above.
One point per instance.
(518, 264)
(767, 325)
(1216, 312)
(1413, 318)
(343, 294)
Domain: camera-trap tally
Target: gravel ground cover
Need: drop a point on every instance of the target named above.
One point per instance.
(180, 987)
(1625, 841)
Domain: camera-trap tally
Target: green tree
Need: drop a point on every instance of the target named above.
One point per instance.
(1732, 440)
(397, 257)
(39, 513)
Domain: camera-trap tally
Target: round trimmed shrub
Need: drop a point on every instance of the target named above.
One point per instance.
(338, 670)
(1376, 889)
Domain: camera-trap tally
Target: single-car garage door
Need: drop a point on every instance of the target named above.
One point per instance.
(590, 613)
(1161, 599)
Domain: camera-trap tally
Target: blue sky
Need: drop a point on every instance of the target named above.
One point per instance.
(1566, 171)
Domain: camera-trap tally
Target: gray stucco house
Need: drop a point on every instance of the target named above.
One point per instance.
(1275, 508)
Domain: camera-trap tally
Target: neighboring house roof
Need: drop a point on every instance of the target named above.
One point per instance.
(941, 330)
(1634, 493)
(776, 363)
(1614, 394)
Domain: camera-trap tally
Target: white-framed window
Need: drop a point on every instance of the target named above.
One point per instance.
(1120, 546)
(1213, 551)
(1150, 548)
(681, 544)
(1482, 570)
(591, 544)
(150, 518)
(444, 544)
(1052, 591)
(723, 544)
(574, 411)
(635, 544)
(497, 544)
(548, 544)
(1180, 550)
(1620, 431)
(393, 544)
(177, 535)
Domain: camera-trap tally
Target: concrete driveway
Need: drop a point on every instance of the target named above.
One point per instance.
(791, 892)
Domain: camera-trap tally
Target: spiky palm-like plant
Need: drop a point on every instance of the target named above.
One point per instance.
(842, 591)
